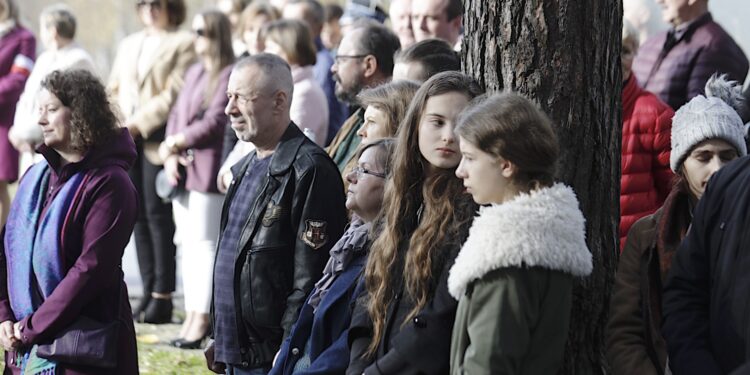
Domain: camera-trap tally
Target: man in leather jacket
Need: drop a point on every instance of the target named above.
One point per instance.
(283, 211)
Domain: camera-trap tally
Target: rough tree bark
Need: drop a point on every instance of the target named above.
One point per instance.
(565, 55)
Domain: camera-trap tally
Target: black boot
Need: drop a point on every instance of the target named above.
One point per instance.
(141, 307)
(158, 311)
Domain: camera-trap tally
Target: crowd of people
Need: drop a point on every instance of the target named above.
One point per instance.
(344, 200)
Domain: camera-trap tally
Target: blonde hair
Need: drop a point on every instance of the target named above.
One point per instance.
(392, 98)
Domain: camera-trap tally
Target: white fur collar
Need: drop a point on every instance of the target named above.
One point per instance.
(543, 228)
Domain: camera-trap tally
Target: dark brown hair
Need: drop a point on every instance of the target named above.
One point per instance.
(61, 18)
(433, 55)
(176, 11)
(219, 31)
(92, 119)
(510, 126)
(439, 196)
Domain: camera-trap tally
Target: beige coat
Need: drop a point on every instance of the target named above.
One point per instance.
(147, 100)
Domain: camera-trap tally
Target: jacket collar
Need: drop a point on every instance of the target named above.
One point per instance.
(286, 151)
(686, 30)
(283, 156)
(544, 228)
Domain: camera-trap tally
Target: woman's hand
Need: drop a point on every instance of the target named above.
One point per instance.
(8, 338)
(216, 367)
(173, 144)
(172, 169)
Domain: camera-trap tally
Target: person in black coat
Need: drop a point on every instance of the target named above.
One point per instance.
(706, 303)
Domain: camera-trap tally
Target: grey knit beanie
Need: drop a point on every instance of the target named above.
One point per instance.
(707, 117)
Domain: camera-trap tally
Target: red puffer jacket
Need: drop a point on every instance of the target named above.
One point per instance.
(646, 177)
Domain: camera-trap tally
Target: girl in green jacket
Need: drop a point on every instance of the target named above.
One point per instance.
(513, 277)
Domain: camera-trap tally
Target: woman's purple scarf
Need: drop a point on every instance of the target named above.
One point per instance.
(33, 246)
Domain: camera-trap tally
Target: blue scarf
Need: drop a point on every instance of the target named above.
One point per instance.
(33, 249)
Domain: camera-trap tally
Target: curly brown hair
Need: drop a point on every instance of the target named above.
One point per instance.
(92, 118)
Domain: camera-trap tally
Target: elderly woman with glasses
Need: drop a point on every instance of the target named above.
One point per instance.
(146, 78)
(318, 341)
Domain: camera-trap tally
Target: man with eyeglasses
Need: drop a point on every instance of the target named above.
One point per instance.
(282, 213)
(364, 59)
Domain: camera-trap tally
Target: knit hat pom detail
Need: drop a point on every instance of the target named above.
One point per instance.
(709, 117)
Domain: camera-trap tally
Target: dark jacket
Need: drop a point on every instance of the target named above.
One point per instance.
(634, 341)
(646, 178)
(346, 141)
(706, 321)
(93, 244)
(297, 216)
(203, 126)
(421, 346)
(679, 72)
(326, 328)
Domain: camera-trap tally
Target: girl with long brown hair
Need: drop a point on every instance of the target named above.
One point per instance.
(194, 141)
(404, 325)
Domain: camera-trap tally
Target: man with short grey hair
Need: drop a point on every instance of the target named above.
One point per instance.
(282, 213)
(676, 64)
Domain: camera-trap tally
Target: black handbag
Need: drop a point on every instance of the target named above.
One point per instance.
(85, 342)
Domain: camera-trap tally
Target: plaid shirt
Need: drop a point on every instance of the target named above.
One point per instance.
(227, 345)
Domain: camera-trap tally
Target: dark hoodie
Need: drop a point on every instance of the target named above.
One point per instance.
(93, 242)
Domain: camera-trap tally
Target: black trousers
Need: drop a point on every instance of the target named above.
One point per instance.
(154, 230)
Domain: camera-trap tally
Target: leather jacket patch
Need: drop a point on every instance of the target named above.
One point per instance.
(273, 213)
(315, 233)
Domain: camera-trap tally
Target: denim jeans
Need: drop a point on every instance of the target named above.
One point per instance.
(232, 370)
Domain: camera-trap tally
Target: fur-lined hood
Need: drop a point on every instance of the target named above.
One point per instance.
(544, 228)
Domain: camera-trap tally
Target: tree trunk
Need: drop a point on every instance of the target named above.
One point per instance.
(565, 54)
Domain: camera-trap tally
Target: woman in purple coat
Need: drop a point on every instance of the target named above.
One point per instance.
(17, 52)
(194, 140)
(68, 226)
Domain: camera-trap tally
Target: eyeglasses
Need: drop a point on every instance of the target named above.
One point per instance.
(359, 171)
(154, 4)
(200, 32)
(240, 99)
(338, 58)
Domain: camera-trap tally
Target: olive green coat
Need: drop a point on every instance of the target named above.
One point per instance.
(514, 280)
